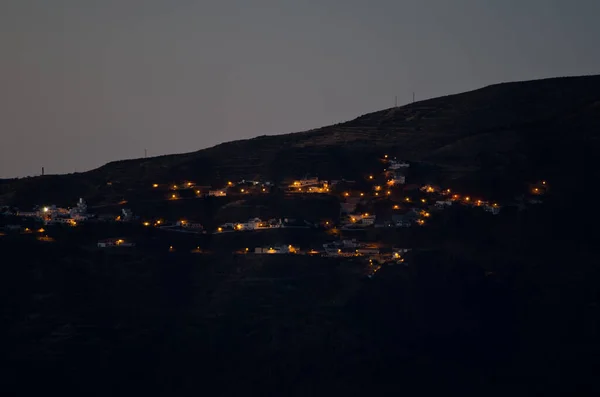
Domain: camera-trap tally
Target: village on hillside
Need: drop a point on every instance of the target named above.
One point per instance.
(381, 201)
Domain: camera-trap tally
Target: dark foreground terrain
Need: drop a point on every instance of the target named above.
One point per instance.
(509, 309)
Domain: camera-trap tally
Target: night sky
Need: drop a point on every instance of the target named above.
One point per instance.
(85, 82)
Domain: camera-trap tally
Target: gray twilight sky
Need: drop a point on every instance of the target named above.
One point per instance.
(85, 82)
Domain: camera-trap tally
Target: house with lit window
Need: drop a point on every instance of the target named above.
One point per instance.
(359, 220)
(114, 242)
(276, 249)
(430, 189)
(309, 185)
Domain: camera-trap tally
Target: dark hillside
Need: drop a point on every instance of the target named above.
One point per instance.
(524, 129)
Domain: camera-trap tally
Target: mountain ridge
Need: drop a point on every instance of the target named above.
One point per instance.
(512, 128)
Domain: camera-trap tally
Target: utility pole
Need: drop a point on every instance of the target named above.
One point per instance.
(413, 97)
(42, 171)
(145, 153)
(396, 101)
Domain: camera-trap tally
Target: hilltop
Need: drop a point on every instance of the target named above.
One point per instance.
(482, 137)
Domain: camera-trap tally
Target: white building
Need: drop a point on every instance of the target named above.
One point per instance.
(494, 208)
(443, 203)
(279, 249)
(429, 189)
(61, 221)
(397, 180)
(362, 219)
(189, 225)
(396, 165)
(114, 243)
(306, 182)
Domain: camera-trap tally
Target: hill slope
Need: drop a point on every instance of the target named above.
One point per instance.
(520, 129)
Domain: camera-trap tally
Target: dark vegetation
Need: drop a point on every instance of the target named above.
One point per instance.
(489, 306)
